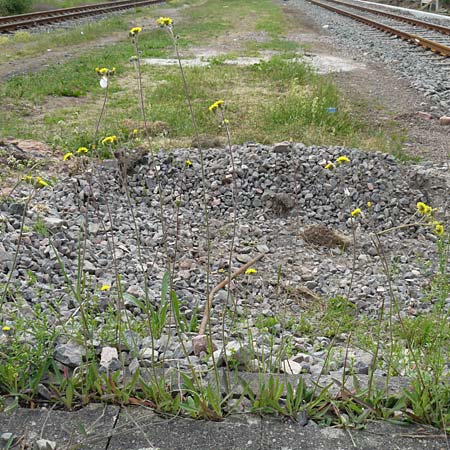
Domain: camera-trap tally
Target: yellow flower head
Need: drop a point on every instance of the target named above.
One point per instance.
(424, 209)
(216, 105)
(134, 31)
(188, 163)
(164, 22)
(329, 166)
(104, 71)
(438, 228)
(28, 179)
(109, 140)
(105, 287)
(250, 271)
(40, 183)
(67, 156)
(82, 150)
(342, 160)
(356, 212)
(135, 131)
(369, 204)
(6, 328)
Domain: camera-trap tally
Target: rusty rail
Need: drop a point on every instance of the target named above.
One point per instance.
(411, 38)
(409, 20)
(12, 23)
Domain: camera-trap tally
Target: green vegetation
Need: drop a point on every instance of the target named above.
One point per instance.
(278, 98)
(13, 7)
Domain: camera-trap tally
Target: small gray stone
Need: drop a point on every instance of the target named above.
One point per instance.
(109, 359)
(70, 355)
(44, 444)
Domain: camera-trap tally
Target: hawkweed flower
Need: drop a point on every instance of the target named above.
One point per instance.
(82, 150)
(40, 182)
(28, 179)
(135, 132)
(164, 22)
(329, 166)
(369, 204)
(342, 160)
(250, 271)
(188, 163)
(438, 228)
(134, 31)
(67, 156)
(424, 209)
(216, 105)
(104, 74)
(105, 287)
(6, 328)
(109, 140)
(356, 212)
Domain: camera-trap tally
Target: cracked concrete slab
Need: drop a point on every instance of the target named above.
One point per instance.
(88, 428)
(96, 428)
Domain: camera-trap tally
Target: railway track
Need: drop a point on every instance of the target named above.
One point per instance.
(9, 24)
(435, 38)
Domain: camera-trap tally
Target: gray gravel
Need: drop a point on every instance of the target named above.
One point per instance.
(283, 190)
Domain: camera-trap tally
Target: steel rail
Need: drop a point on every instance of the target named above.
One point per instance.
(409, 37)
(60, 15)
(409, 20)
(21, 17)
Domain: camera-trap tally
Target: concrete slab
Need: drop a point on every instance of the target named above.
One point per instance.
(144, 430)
(378, 436)
(322, 63)
(96, 428)
(88, 428)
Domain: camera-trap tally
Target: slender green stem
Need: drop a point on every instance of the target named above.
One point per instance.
(19, 243)
(97, 127)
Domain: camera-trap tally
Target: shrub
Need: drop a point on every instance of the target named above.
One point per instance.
(12, 7)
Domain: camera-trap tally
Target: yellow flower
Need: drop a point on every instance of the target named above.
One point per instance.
(105, 287)
(188, 162)
(105, 72)
(109, 140)
(216, 105)
(438, 228)
(342, 160)
(6, 328)
(134, 31)
(329, 166)
(28, 179)
(424, 209)
(67, 156)
(356, 212)
(250, 271)
(40, 183)
(82, 150)
(369, 204)
(164, 22)
(135, 131)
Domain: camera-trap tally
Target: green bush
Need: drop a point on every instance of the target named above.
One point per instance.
(12, 7)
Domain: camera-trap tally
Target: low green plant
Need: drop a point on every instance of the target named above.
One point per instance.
(14, 7)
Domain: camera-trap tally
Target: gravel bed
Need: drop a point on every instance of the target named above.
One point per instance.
(426, 72)
(283, 191)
